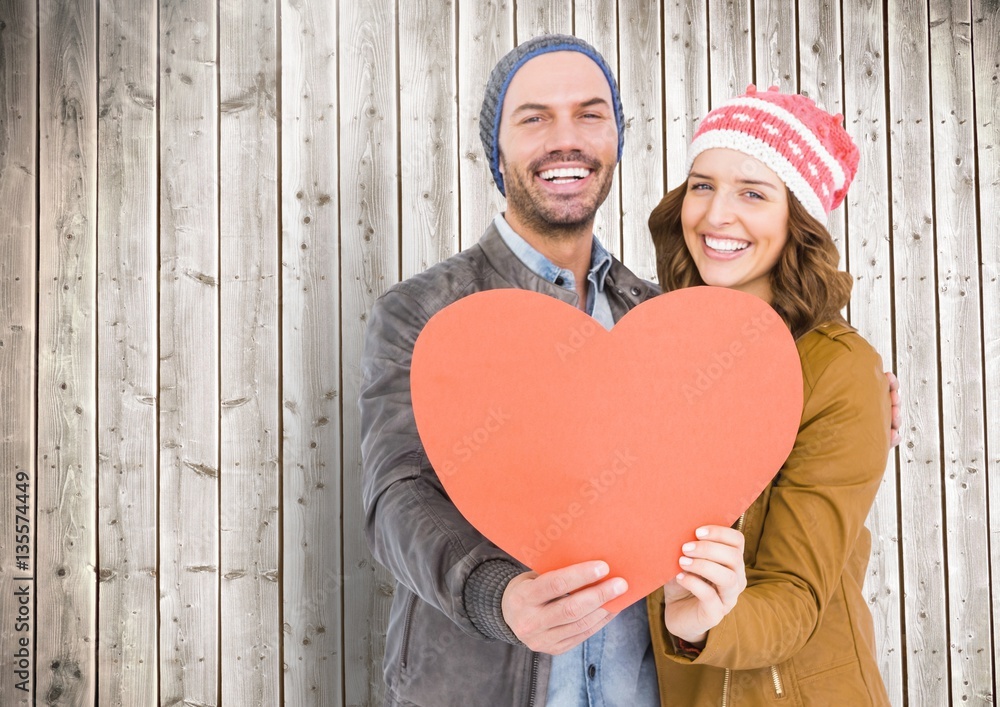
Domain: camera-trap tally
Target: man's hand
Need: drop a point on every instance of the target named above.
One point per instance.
(897, 419)
(712, 579)
(558, 610)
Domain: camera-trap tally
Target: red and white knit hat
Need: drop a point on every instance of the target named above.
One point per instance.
(808, 148)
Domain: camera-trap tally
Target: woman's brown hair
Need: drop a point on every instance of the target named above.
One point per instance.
(807, 287)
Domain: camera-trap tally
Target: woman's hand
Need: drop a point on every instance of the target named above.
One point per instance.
(712, 578)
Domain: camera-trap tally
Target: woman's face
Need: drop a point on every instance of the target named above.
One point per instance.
(735, 220)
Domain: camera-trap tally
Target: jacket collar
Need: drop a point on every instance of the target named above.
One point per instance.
(624, 289)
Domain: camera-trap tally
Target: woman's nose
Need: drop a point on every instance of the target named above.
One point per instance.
(720, 210)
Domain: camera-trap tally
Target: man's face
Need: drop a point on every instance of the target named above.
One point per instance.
(558, 143)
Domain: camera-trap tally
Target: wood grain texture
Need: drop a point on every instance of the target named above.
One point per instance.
(18, 352)
(369, 233)
(962, 423)
(986, 59)
(642, 166)
(821, 78)
(189, 354)
(250, 635)
(915, 313)
(67, 401)
(596, 21)
(867, 212)
(536, 17)
(428, 134)
(685, 75)
(312, 577)
(485, 34)
(730, 48)
(776, 50)
(127, 261)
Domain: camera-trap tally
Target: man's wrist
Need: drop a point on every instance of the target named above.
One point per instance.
(483, 598)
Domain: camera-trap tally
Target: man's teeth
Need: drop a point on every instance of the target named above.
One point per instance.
(564, 175)
(726, 244)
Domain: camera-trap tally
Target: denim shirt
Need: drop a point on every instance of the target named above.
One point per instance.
(614, 667)
(600, 264)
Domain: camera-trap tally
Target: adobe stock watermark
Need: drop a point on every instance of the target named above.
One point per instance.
(723, 361)
(577, 338)
(589, 493)
(475, 439)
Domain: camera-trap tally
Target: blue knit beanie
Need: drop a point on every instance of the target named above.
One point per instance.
(503, 72)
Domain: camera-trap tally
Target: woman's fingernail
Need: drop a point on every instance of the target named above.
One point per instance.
(687, 547)
(685, 561)
(619, 586)
(701, 533)
(602, 569)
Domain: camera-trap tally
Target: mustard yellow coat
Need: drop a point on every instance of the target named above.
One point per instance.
(801, 633)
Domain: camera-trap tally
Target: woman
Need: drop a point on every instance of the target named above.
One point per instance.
(764, 172)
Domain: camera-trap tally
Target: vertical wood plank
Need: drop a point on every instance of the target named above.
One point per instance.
(249, 523)
(685, 74)
(776, 55)
(485, 34)
(189, 360)
(925, 611)
(18, 283)
(867, 211)
(730, 48)
(369, 228)
(596, 21)
(961, 359)
(986, 59)
(820, 78)
(312, 578)
(428, 134)
(642, 158)
(127, 354)
(536, 17)
(67, 404)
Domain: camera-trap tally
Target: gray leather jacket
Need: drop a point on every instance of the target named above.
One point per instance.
(447, 642)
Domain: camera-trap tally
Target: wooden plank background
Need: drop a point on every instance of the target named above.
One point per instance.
(201, 201)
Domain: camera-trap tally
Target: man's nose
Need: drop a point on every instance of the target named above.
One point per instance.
(563, 136)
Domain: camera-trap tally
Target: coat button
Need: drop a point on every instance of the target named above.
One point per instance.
(592, 671)
(636, 291)
(560, 281)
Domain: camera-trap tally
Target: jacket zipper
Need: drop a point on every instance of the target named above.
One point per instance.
(408, 619)
(534, 680)
(729, 673)
(779, 691)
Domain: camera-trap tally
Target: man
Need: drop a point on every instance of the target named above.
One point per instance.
(552, 126)
(470, 625)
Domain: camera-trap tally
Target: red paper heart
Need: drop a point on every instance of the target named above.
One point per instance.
(562, 442)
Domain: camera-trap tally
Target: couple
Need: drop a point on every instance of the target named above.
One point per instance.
(768, 611)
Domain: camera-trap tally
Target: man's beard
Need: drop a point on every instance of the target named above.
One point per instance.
(547, 214)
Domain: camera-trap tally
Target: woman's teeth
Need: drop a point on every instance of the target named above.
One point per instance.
(725, 244)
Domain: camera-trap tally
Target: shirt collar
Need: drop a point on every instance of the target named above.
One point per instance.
(600, 259)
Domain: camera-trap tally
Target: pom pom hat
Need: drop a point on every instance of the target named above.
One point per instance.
(808, 148)
(503, 72)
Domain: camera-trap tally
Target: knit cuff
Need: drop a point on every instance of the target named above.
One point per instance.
(483, 595)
